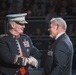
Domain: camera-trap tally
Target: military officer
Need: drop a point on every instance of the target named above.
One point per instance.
(16, 48)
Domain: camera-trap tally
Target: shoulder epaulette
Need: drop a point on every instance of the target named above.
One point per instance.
(25, 34)
(3, 35)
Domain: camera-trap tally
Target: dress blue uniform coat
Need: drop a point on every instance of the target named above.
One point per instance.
(59, 58)
(9, 49)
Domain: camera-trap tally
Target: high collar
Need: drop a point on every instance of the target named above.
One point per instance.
(12, 35)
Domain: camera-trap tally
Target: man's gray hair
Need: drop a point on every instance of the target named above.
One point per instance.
(60, 22)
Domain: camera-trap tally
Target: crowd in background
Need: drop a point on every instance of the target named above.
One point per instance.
(48, 8)
(40, 8)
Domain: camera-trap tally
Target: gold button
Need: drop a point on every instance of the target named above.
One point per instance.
(16, 71)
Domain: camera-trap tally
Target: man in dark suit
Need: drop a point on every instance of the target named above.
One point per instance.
(16, 49)
(59, 58)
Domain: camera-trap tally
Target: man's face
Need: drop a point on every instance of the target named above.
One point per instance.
(52, 29)
(18, 28)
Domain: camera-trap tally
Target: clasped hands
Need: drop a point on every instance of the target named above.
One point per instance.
(31, 60)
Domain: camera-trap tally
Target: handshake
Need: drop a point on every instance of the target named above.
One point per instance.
(31, 60)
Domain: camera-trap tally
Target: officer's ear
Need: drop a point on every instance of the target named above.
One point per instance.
(12, 24)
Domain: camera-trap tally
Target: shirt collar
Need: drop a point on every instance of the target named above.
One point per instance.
(59, 35)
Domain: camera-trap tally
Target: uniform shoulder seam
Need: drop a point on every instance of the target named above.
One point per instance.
(3, 35)
(25, 34)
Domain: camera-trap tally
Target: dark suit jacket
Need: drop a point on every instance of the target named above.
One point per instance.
(61, 61)
(9, 49)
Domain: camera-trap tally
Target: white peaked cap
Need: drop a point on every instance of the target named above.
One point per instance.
(17, 17)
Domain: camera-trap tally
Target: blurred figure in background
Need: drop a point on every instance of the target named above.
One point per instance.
(15, 6)
(51, 14)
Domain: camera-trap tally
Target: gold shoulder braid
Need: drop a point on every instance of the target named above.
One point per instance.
(3, 35)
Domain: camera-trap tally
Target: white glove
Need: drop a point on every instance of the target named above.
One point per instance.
(32, 59)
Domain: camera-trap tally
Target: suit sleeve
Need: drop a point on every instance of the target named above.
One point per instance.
(60, 59)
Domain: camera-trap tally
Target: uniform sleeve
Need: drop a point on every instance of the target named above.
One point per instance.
(34, 51)
(6, 54)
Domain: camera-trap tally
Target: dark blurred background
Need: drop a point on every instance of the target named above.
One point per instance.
(39, 12)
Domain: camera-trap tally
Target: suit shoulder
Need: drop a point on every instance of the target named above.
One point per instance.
(3, 35)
